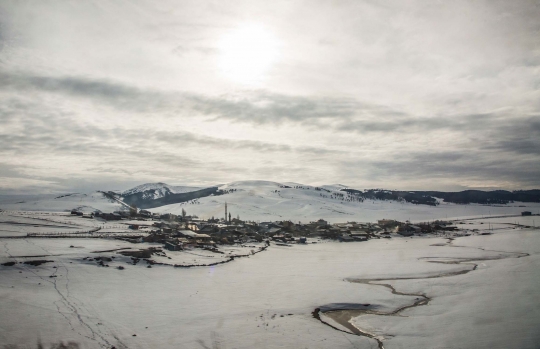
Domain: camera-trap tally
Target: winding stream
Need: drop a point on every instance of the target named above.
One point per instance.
(344, 315)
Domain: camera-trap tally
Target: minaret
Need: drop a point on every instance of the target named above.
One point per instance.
(225, 212)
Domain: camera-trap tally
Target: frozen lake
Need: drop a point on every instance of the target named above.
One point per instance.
(267, 300)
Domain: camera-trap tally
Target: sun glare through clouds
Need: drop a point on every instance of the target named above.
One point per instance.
(247, 53)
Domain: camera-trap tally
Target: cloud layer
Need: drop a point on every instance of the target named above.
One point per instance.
(419, 96)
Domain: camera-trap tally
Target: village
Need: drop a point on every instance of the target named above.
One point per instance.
(179, 232)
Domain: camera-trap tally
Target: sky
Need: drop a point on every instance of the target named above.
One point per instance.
(404, 94)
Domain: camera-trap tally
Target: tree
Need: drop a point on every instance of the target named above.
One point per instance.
(133, 210)
(183, 214)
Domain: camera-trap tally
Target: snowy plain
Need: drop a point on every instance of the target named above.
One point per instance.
(486, 296)
(56, 203)
(266, 300)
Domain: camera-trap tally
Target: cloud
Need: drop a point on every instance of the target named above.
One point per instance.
(397, 93)
(455, 167)
(464, 123)
(258, 107)
(129, 151)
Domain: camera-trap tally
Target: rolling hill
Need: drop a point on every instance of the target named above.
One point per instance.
(268, 201)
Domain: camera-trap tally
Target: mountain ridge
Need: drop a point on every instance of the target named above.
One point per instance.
(150, 195)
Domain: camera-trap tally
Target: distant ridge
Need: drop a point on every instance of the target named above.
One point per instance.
(151, 195)
(486, 197)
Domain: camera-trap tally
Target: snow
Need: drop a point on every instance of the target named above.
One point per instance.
(495, 306)
(259, 201)
(22, 223)
(266, 300)
(160, 189)
(268, 201)
(84, 202)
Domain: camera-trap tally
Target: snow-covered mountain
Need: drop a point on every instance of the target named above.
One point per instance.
(270, 201)
(158, 190)
(152, 195)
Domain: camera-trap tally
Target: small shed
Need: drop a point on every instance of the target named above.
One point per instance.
(171, 246)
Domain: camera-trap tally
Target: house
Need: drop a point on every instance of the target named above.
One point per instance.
(111, 216)
(415, 228)
(278, 237)
(273, 231)
(406, 233)
(387, 223)
(287, 224)
(173, 246)
(449, 227)
(203, 237)
(346, 238)
(193, 226)
(208, 229)
(360, 238)
(167, 217)
(359, 235)
(526, 213)
(122, 214)
(321, 222)
(187, 233)
(155, 237)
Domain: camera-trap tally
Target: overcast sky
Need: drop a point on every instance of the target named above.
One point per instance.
(371, 94)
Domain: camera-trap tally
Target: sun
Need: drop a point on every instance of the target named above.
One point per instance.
(247, 53)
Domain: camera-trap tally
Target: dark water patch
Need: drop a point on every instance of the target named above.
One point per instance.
(37, 262)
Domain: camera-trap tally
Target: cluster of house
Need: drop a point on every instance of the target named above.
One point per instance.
(177, 235)
(407, 229)
(113, 216)
(180, 232)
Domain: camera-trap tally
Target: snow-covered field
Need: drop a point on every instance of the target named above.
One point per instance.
(55, 203)
(23, 223)
(266, 300)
